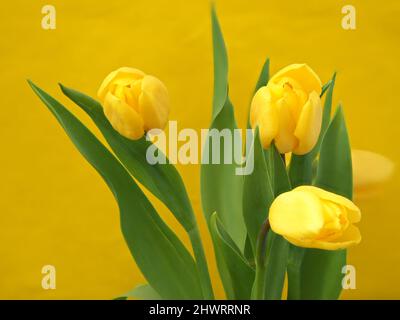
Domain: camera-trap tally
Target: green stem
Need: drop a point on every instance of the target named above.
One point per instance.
(295, 261)
(259, 284)
(201, 262)
(258, 292)
(294, 290)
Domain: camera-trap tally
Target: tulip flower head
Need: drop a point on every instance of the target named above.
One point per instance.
(288, 110)
(311, 217)
(134, 102)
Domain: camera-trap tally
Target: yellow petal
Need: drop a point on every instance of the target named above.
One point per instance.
(122, 74)
(123, 117)
(353, 212)
(264, 115)
(302, 74)
(130, 97)
(285, 139)
(309, 124)
(350, 237)
(260, 101)
(297, 214)
(153, 103)
(370, 171)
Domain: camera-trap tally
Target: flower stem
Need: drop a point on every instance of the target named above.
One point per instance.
(258, 292)
(201, 263)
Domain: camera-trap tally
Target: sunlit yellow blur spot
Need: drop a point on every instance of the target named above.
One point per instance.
(370, 171)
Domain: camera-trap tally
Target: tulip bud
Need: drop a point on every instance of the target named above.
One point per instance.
(311, 217)
(288, 110)
(134, 102)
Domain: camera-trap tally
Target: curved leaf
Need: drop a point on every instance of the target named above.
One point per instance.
(334, 171)
(221, 188)
(334, 174)
(164, 261)
(277, 169)
(326, 114)
(236, 275)
(272, 262)
(141, 292)
(257, 192)
(301, 170)
(163, 180)
(263, 77)
(220, 66)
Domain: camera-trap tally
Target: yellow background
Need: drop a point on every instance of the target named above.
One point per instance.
(55, 209)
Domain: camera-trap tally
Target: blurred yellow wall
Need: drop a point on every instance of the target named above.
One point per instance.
(54, 207)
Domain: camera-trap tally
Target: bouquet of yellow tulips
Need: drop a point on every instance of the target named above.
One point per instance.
(291, 216)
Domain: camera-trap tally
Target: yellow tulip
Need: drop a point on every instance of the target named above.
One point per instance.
(311, 217)
(134, 102)
(288, 110)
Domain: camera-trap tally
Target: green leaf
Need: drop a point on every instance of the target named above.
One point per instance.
(257, 192)
(326, 116)
(334, 174)
(294, 270)
(164, 261)
(236, 274)
(248, 252)
(335, 167)
(262, 81)
(277, 170)
(163, 180)
(325, 87)
(272, 259)
(270, 267)
(276, 265)
(263, 77)
(220, 66)
(141, 292)
(301, 170)
(221, 187)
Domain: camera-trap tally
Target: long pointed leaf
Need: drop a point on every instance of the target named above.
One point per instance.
(221, 187)
(257, 192)
(335, 175)
(141, 292)
(162, 258)
(236, 275)
(163, 180)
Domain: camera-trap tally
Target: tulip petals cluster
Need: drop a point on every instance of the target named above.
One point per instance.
(134, 102)
(311, 217)
(288, 110)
